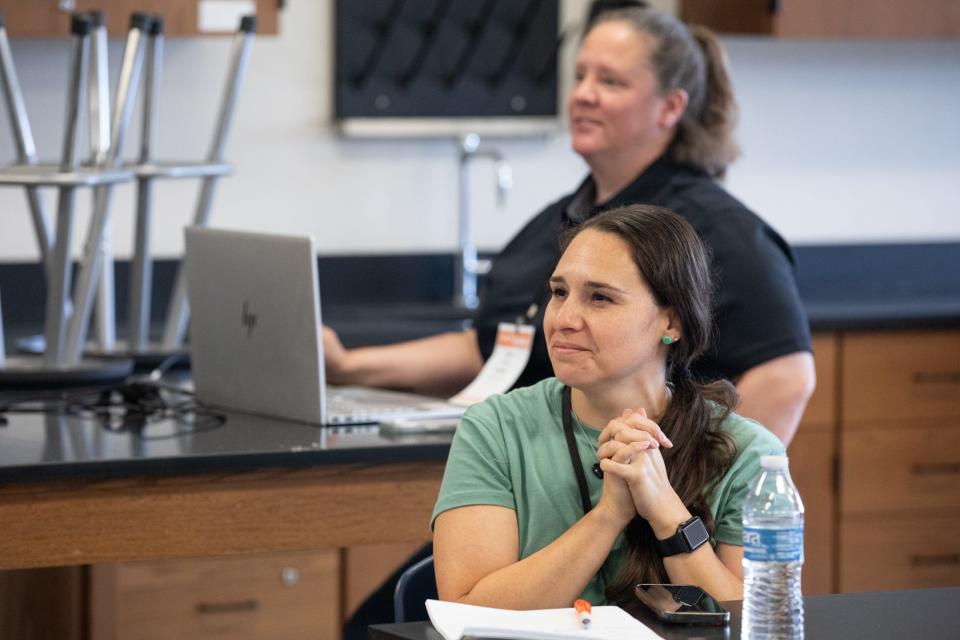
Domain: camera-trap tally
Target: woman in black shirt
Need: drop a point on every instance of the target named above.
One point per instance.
(651, 113)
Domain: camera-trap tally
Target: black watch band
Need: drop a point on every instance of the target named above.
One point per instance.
(689, 536)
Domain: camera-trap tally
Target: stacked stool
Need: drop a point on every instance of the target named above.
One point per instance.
(67, 317)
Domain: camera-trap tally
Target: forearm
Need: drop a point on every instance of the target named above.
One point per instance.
(701, 567)
(779, 417)
(554, 576)
(776, 392)
(704, 569)
(438, 365)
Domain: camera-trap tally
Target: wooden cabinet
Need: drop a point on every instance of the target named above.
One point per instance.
(828, 18)
(811, 466)
(288, 595)
(877, 462)
(900, 378)
(900, 460)
(812, 460)
(901, 469)
(43, 603)
(821, 411)
(44, 18)
(882, 553)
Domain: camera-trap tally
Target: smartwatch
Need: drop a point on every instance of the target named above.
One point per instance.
(689, 536)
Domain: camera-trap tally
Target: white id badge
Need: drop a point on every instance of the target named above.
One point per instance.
(511, 353)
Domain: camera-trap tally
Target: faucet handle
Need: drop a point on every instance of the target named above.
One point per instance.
(469, 143)
(504, 181)
(483, 266)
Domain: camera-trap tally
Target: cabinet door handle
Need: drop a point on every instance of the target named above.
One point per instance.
(935, 468)
(227, 607)
(936, 377)
(933, 561)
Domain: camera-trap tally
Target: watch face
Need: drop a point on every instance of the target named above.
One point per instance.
(696, 533)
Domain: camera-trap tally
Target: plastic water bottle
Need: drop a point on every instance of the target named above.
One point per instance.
(772, 555)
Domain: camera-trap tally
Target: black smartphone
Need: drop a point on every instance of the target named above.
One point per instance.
(682, 603)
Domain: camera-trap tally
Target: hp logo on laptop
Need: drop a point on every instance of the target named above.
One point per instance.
(248, 320)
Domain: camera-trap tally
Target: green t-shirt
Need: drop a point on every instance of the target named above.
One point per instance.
(510, 451)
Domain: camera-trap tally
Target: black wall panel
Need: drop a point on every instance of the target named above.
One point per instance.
(446, 58)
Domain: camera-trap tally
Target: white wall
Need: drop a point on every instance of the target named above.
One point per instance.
(850, 141)
(843, 142)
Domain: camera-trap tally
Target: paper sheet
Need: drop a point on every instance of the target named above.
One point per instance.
(455, 621)
(510, 355)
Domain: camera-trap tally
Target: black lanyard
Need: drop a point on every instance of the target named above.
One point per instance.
(567, 411)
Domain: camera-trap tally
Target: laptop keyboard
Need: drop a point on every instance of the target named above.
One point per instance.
(345, 410)
(367, 406)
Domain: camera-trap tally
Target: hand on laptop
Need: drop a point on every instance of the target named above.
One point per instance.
(438, 365)
(335, 356)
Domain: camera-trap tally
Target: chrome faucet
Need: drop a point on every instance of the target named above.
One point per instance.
(468, 266)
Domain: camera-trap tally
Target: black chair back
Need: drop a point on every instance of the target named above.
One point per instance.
(416, 585)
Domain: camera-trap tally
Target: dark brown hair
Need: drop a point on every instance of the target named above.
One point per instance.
(675, 265)
(692, 59)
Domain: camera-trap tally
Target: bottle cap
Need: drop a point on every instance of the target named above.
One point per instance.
(773, 462)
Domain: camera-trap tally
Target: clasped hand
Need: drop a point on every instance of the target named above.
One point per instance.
(635, 477)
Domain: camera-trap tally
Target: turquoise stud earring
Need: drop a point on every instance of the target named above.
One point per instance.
(667, 340)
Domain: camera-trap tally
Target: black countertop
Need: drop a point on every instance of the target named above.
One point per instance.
(375, 299)
(897, 312)
(889, 286)
(919, 613)
(39, 446)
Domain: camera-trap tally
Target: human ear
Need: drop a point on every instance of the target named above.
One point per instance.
(673, 107)
(673, 328)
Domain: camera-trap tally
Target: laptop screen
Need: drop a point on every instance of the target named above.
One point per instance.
(255, 337)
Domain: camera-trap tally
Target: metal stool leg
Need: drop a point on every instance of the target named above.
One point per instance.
(59, 282)
(104, 311)
(26, 149)
(91, 263)
(141, 273)
(99, 101)
(3, 346)
(176, 324)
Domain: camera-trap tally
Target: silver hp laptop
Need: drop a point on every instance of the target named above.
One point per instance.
(255, 338)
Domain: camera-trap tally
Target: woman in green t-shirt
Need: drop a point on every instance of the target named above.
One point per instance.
(518, 526)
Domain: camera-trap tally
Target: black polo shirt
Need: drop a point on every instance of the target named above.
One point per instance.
(757, 311)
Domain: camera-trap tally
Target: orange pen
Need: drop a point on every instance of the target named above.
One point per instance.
(582, 608)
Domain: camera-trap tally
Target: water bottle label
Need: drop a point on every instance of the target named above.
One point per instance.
(773, 545)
